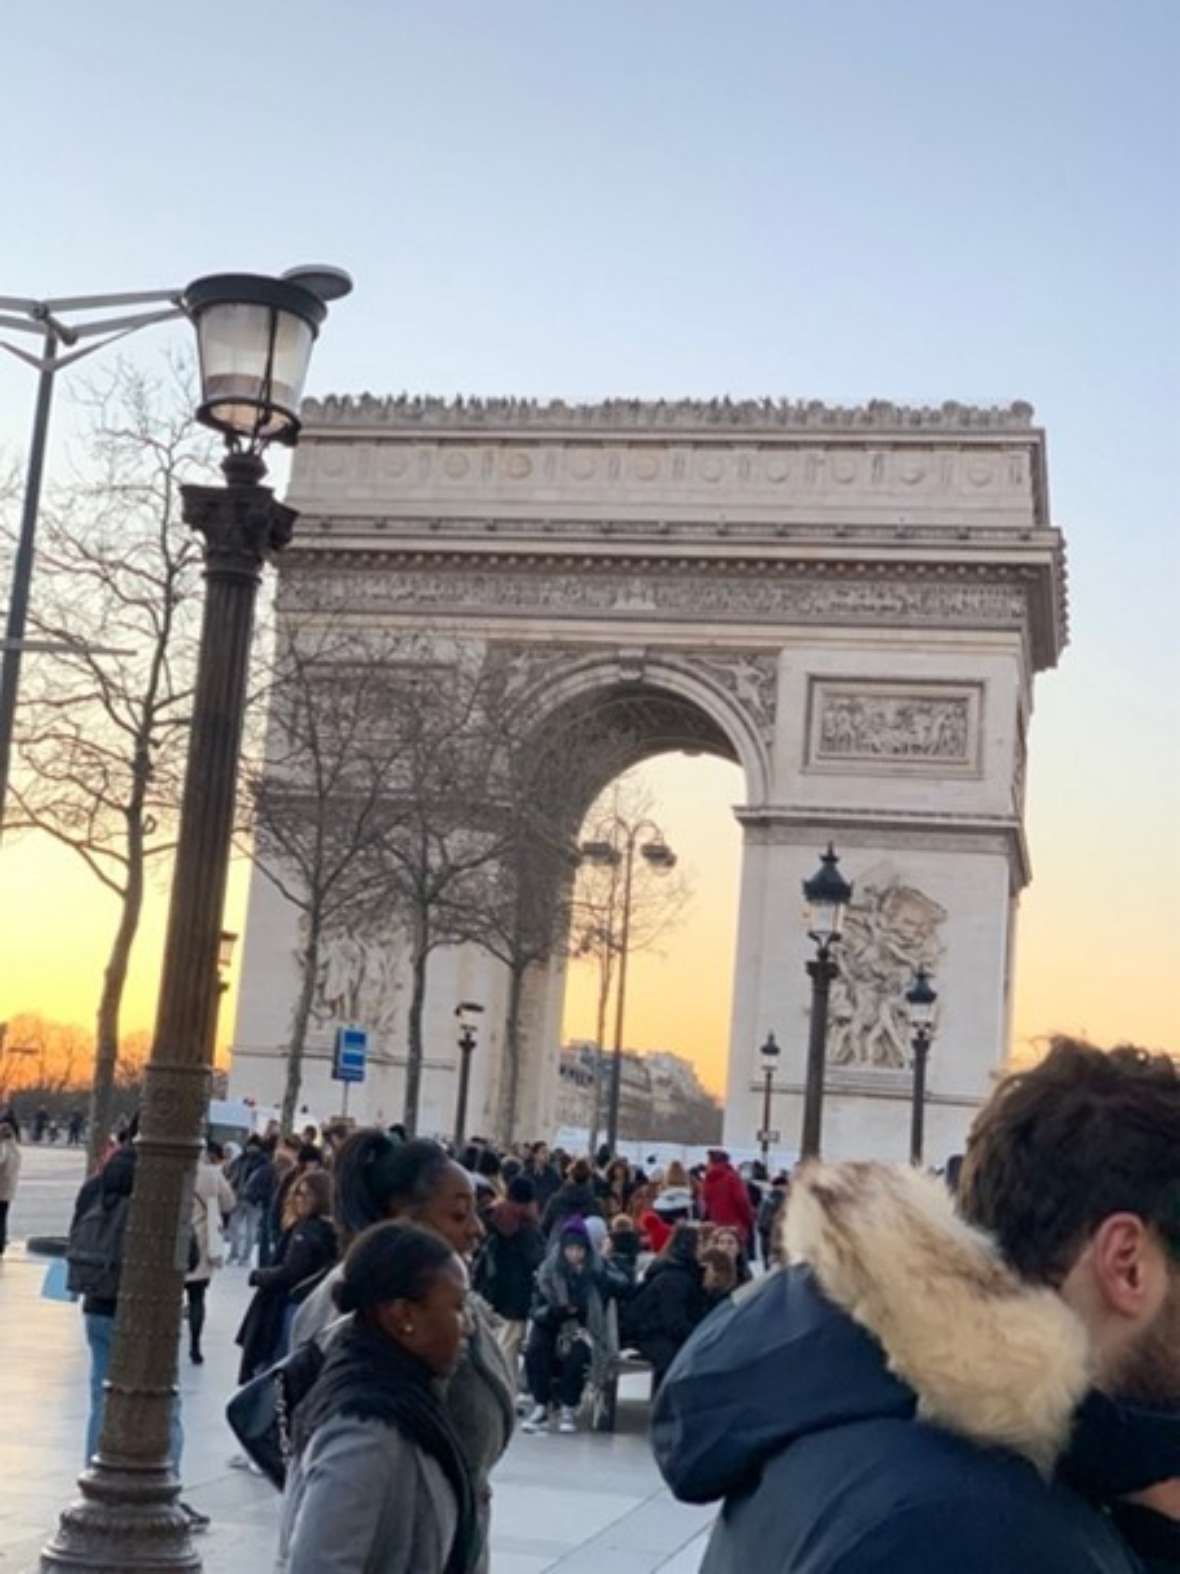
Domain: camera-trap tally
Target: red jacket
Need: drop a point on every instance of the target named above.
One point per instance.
(727, 1202)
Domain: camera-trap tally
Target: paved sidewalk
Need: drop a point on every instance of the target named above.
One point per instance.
(581, 1505)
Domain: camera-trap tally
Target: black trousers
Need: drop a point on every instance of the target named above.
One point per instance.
(194, 1290)
(3, 1226)
(545, 1369)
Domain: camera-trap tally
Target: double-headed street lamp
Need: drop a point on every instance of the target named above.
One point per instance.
(827, 894)
(610, 851)
(465, 1010)
(769, 1054)
(921, 998)
(255, 337)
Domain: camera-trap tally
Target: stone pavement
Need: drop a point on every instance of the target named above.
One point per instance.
(563, 1505)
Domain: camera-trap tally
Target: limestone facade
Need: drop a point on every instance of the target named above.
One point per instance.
(852, 604)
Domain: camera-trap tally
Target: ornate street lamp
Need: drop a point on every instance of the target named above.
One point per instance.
(255, 336)
(827, 894)
(769, 1053)
(467, 1044)
(921, 998)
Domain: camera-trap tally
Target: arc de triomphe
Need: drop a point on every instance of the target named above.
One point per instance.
(850, 603)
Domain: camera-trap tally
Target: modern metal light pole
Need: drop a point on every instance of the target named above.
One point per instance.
(769, 1053)
(467, 1045)
(827, 894)
(921, 998)
(255, 337)
(618, 847)
(45, 318)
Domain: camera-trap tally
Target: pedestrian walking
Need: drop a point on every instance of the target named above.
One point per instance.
(94, 1258)
(307, 1250)
(248, 1201)
(10, 1157)
(507, 1264)
(379, 1177)
(543, 1172)
(378, 1482)
(213, 1202)
(574, 1198)
(725, 1198)
(994, 1388)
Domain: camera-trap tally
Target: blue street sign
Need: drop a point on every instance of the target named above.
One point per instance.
(348, 1058)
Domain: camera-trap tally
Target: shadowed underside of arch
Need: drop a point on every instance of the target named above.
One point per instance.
(606, 731)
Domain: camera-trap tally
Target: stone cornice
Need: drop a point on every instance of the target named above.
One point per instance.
(419, 413)
(893, 829)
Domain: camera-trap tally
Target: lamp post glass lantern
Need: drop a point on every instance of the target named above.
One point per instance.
(467, 1045)
(827, 895)
(255, 337)
(921, 999)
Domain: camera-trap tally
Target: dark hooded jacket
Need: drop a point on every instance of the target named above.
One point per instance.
(113, 1183)
(899, 1402)
(508, 1262)
(570, 1201)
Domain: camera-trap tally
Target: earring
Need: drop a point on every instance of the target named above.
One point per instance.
(407, 1328)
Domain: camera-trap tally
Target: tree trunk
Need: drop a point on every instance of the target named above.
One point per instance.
(298, 1040)
(106, 1049)
(510, 1081)
(414, 1033)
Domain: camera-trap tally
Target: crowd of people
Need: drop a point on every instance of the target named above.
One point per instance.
(872, 1368)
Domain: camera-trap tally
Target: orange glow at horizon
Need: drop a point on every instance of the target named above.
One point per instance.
(1075, 970)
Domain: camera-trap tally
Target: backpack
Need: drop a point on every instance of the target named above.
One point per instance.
(94, 1253)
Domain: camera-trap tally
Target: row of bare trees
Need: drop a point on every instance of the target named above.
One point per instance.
(393, 781)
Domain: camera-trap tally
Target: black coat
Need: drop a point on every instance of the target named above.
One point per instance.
(784, 1407)
(570, 1201)
(669, 1304)
(508, 1264)
(306, 1253)
(545, 1181)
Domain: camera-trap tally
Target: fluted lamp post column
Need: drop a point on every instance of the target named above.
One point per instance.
(255, 337)
(465, 1011)
(920, 998)
(827, 894)
(768, 1054)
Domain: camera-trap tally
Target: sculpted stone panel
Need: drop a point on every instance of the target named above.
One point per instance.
(931, 726)
(891, 928)
(357, 980)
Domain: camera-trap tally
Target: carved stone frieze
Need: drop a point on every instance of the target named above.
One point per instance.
(357, 980)
(692, 414)
(666, 590)
(931, 726)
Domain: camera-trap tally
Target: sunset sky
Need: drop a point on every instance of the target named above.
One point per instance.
(916, 201)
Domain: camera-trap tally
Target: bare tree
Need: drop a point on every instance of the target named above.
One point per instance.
(446, 823)
(658, 901)
(102, 728)
(317, 793)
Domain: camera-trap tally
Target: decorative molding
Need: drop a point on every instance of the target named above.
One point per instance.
(896, 727)
(663, 414)
(748, 591)
(750, 676)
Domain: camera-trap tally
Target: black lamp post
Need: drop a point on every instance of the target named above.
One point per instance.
(769, 1053)
(659, 857)
(255, 337)
(467, 1043)
(920, 998)
(827, 894)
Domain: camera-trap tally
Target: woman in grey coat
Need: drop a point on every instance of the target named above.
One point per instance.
(377, 1178)
(378, 1482)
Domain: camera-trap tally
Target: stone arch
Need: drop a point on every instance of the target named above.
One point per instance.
(668, 702)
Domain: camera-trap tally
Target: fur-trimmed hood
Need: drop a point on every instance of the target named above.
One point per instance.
(988, 1355)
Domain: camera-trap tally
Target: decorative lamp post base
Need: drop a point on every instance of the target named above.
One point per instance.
(127, 1521)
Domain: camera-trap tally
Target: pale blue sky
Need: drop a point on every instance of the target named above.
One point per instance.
(895, 198)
